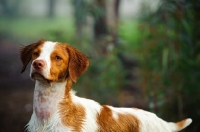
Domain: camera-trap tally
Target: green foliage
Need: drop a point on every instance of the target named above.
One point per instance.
(170, 62)
(128, 32)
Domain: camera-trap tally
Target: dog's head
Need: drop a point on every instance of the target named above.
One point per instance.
(53, 61)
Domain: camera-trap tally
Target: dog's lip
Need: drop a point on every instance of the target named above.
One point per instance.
(38, 76)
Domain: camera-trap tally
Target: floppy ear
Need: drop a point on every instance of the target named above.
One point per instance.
(78, 63)
(26, 53)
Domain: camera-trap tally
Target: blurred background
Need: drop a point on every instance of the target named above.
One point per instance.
(143, 54)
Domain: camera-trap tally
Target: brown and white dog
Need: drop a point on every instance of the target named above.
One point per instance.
(56, 108)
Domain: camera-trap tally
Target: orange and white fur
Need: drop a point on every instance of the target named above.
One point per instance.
(55, 67)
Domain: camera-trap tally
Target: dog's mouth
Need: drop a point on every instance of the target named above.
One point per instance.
(38, 76)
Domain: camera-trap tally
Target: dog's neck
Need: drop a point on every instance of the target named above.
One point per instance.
(47, 97)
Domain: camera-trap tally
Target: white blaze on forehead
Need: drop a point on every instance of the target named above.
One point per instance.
(46, 51)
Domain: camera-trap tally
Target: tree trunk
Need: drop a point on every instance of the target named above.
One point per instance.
(10, 9)
(112, 8)
(100, 25)
(51, 8)
(80, 16)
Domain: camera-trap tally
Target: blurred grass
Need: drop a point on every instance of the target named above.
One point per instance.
(36, 28)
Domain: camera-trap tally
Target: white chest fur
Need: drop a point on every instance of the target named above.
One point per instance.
(46, 97)
(45, 115)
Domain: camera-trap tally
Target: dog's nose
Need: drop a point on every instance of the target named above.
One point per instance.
(38, 64)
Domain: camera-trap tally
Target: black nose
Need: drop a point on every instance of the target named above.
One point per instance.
(38, 64)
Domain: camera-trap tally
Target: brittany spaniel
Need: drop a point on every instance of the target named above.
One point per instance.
(55, 67)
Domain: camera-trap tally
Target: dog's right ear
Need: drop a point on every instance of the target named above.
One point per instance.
(26, 53)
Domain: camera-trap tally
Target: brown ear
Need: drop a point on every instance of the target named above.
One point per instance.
(78, 63)
(26, 53)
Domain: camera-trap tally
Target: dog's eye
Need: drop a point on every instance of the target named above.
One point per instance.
(35, 54)
(58, 57)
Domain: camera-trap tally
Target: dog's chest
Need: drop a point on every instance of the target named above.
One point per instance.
(46, 101)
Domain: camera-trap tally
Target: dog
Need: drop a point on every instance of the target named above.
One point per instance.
(55, 67)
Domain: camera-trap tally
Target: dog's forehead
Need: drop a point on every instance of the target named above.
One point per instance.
(47, 48)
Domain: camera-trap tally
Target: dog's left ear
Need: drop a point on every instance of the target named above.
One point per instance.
(26, 53)
(78, 63)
